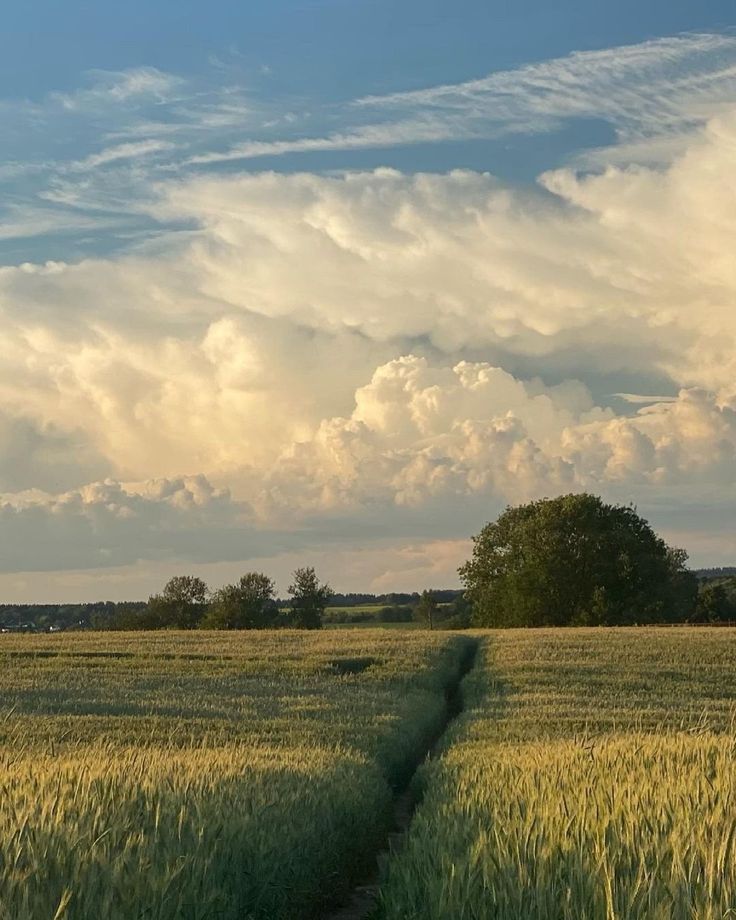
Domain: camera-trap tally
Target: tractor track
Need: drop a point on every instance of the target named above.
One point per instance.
(363, 898)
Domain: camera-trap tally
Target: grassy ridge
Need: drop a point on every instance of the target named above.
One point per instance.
(204, 776)
(591, 776)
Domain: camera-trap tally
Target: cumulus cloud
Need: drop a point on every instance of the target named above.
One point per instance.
(370, 352)
(111, 523)
(419, 433)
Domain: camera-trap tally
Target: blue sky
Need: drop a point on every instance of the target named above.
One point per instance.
(333, 282)
(326, 49)
(218, 76)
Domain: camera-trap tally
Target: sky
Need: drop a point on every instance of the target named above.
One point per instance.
(332, 282)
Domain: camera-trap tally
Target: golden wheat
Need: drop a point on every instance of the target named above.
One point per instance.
(591, 777)
(181, 776)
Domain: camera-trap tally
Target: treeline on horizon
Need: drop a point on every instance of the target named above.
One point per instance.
(716, 602)
(569, 561)
(391, 607)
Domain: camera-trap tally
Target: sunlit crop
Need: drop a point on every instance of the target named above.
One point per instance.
(591, 777)
(176, 776)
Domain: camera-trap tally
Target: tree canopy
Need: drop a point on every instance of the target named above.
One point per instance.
(248, 604)
(426, 611)
(574, 560)
(308, 599)
(181, 604)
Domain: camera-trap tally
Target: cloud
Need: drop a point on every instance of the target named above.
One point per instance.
(420, 434)
(155, 125)
(649, 92)
(423, 445)
(379, 566)
(122, 152)
(120, 87)
(27, 222)
(44, 457)
(416, 131)
(643, 399)
(109, 523)
(335, 358)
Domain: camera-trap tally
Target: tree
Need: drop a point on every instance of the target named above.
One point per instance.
(575, 560)
(181, 604)
(308, 599)
(427, 608)
(248, 604)
(459, 614)
(713, 604)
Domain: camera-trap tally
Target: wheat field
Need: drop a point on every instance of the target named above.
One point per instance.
(591, 776)
(180, 776)
(173, 776)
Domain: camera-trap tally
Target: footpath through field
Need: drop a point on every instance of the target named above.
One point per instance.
(363, 899)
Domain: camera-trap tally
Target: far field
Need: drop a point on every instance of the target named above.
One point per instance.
(215, 776)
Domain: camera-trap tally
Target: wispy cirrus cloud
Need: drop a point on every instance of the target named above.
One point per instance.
(646, 92)
(130, 151)
(652, 96)
(119, 87)
(420, 130)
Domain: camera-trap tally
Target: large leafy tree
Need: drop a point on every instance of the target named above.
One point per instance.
(248, 604)
(308, 599)
(575, 560)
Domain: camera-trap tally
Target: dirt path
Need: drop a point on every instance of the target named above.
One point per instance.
(364, 896)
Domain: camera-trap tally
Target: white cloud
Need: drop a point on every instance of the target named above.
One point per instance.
(415, 131)
(419, 434)
(421, 444)
(373, 354)
(649, 92)
(109, 523)
(120, 87)
(18, 222)
(115, 154)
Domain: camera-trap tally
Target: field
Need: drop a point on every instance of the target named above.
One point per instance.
(204, 776)
(591, 776)
(211, 776)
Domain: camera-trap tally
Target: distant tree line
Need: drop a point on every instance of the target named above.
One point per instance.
(393, 599)
(568, 561)
(250, 603)
(45, 617)
(724, 571)
(185, 602)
